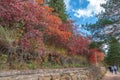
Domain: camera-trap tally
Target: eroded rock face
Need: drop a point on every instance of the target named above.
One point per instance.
(47, 74)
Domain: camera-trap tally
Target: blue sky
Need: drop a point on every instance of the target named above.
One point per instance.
(84, 11)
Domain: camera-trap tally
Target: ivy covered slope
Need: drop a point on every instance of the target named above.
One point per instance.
(33, 35)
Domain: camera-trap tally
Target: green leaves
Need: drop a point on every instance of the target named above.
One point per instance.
(59, 8)
(7, 35)
(113, 56)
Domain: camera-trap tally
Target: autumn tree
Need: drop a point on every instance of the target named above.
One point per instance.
(28, 19)
(29, 16)
(40, 1)
(96, 56)
(78, 45)
(57, 33)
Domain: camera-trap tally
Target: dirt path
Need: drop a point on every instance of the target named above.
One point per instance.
(110, 76)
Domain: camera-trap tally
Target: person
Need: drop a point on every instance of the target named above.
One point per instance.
(115, 69)
(110, 69)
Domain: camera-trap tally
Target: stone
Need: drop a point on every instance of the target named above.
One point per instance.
(84, 77)
(6, 78)
(65, 77)
(50, 74)
(74, 77)
(27, 77)
(44, 78)
(56, 77)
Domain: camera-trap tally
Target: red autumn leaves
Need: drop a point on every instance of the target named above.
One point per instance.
(78, 45)
(38, 20)
(96, 56)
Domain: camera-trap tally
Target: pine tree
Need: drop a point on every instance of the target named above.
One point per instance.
(113, 56)
(108, 23)
(59, 8)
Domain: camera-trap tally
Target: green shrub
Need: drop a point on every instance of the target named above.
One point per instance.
(31, 65)
(3, 58)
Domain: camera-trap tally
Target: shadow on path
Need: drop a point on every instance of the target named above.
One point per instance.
(110, 76)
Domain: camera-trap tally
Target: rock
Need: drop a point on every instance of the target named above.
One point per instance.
(49, 74)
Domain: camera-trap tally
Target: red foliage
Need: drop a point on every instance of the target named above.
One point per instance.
(11, 11)
(40, 1)
(96, 56)
(57, 32)
(58, 36)
(32, 41)
(36, 20)
(24, 13)
(33, 17)
(78, 45)
(67, 26)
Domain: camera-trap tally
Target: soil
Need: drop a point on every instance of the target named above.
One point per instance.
(111, 76)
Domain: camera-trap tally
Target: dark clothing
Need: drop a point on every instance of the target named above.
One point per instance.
(115, 69)
(110, 69)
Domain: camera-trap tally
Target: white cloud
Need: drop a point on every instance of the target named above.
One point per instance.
(67, 3)
(92, 9)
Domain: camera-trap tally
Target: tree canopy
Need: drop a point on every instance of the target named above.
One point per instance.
(113, 56)
(59, 8)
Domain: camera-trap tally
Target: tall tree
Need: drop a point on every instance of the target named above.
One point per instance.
(59, 8)
(113, 56)
(108, 21)
(112, 13)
